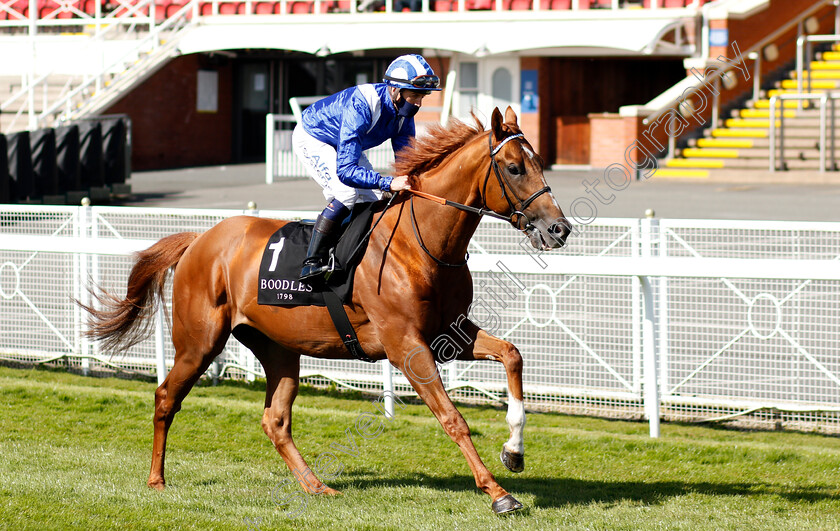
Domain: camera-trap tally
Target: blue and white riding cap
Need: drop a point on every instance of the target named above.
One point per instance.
(411, 72)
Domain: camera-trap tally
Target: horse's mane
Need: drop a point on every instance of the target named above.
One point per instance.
(428, 152)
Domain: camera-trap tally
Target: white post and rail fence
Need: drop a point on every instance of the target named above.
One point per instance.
(636, 318)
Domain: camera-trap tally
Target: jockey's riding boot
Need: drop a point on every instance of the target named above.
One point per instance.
(315, 263)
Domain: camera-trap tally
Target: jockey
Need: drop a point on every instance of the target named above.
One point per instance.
(334, 132)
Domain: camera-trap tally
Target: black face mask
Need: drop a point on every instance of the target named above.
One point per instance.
(406, 109)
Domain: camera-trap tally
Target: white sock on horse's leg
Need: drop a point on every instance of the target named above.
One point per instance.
(516, 421)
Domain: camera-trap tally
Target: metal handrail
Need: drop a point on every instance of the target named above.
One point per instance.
(825, 98)
(804, 63)
(153, 39)
(723, 69)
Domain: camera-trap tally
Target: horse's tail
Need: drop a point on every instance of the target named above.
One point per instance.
(122, 323)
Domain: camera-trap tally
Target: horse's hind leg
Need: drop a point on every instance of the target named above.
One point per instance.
(282, 371)
(487, 347)
(197, 343)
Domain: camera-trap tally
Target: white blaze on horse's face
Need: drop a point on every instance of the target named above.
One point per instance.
(528, 152)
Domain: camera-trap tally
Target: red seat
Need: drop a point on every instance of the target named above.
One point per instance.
(519, 5)
(228, 8)
(46, 8)
(299, 7)
(21, 6)
(479, 4)
(170, 9)
(445, 5)
(264, 8)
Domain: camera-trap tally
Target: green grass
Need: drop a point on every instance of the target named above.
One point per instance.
(74, 454)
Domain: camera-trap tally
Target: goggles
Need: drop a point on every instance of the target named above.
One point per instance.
(421, 82)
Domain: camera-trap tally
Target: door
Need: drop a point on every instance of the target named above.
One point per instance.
(499, 85)
(484, 84)
(254, 94)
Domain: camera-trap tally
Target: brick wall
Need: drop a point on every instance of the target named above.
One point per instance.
(167, 130)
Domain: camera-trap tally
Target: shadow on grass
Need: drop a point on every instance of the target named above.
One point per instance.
(560, 492)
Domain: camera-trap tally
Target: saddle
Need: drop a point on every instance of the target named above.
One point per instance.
(286, 249)
(282, 258)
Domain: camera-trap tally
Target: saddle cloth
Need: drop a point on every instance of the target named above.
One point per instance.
(284, 254)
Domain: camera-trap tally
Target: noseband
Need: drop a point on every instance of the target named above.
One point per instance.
(517, 210)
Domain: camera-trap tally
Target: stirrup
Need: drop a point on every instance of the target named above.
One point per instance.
(330, 268)
(313, 269)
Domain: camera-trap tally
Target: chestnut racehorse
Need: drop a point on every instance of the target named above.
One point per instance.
(410, 286)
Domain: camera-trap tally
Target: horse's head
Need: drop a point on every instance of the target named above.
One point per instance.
(515, 185)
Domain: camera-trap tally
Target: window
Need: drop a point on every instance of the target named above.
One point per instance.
(468, 88)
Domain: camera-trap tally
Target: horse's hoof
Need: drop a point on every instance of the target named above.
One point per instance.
(157, 485)
(330, 491)
(506, 504)
(513, 462)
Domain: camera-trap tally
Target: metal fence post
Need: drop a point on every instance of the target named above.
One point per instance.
(81, 267)
(773, 101)
(388, 387)
(781, 134)
(270, 151)
(90, 230)
(661, 327)
(635, 313)
(716, 105)
(160, 347)
(649, 354)
(823, 110)
(833, 158)
(800, 59)
(649, 340)
(809, 57)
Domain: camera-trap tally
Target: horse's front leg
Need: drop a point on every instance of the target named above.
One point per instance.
(418, 365)
(487, 347)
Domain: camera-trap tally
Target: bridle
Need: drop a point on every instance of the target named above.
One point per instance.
(517, 210)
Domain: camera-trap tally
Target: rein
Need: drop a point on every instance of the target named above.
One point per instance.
(517, 210)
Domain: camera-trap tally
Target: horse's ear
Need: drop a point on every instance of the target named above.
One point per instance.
(496, 123)
(510, 116)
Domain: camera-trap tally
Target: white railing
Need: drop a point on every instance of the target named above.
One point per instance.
(155, 42)
(679, 319)
(281, 161)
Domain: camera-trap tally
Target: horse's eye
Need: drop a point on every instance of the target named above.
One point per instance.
(513, 169)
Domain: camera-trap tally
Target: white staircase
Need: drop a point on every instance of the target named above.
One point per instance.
(129, 49)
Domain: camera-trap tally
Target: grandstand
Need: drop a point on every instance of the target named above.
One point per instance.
(589, 78)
